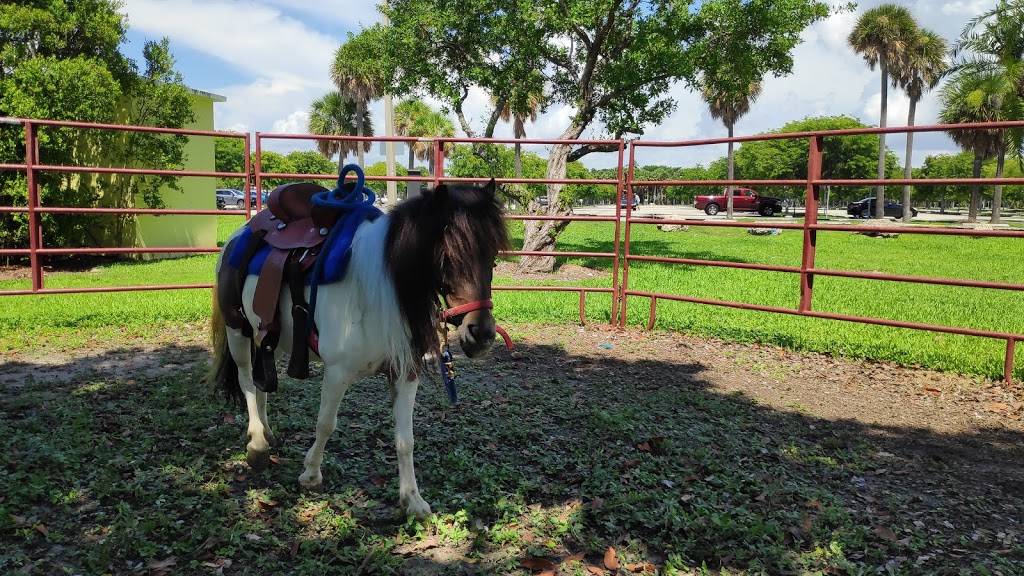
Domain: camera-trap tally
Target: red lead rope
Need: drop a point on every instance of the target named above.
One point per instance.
(472, 307)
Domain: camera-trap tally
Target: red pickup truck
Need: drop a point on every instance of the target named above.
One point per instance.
(743, 200)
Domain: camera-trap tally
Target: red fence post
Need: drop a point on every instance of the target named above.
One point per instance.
(1008, 362)
(259, 169)
(618, 226)
(35, 236)
(438, 162)
(246, 183)
(624, 286)
(810, 219)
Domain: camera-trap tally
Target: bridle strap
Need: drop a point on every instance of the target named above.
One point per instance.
(466, 308)
(472, 307)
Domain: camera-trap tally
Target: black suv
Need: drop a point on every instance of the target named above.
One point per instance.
(865, 208)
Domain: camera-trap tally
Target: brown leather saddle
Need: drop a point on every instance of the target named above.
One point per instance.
(295, 229)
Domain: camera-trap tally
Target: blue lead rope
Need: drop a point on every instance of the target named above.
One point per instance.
(354, 207)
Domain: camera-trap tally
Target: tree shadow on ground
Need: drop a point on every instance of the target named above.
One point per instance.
(552, 451)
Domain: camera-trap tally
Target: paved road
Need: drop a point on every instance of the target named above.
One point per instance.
(690, 213)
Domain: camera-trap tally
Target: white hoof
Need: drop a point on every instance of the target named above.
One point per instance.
(416, 506)
(310, 480)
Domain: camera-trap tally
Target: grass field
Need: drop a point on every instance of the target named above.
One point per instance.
(72, 318)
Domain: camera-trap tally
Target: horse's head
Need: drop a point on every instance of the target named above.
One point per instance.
(473, 234)
(451, 237)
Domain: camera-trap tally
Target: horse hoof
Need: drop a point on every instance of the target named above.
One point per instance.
(311, 481)
(417, 507)
(258, 460)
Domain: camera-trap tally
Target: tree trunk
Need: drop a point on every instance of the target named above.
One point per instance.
(997, 193)
(412, 155)
(519, 159)
(360, 112)
(729, 190)
(341, 159)
(540, 236)
(907, 214)
(882, 118)
(972, 210)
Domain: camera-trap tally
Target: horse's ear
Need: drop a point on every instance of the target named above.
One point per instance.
(490, 188)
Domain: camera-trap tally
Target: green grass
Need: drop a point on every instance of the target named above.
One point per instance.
(23, 319)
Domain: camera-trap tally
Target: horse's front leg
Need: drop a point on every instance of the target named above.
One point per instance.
(336, 382)
(404, 392)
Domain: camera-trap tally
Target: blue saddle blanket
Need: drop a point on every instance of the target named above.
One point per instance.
(335, 253)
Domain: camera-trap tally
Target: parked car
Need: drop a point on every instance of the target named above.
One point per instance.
(865, 208)
(230, 198)
(743, 200)
(636, 201)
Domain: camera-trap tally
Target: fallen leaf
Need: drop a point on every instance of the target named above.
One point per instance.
(267, 504)
(547, 573)
(644, 447)
(597, 571)
(229, 418)
(611, 561)
(931, 390)
(378, 480)
(578, 557)
(886, 533)
(998, 407)
(537, 563)
(274, 459)
(42, 529)
(160, 567)
(814, 504)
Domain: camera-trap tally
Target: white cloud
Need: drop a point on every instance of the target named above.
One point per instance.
(295, 123)
(961, 8)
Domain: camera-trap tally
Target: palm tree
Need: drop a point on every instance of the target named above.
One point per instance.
(415, 118)
(993, 43)
(921, 68)
(882, 36)
(976, 96)
(729, 106)
(358, 78)
(517, 113)
(332, 115)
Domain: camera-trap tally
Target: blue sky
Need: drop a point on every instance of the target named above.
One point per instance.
(270, 58)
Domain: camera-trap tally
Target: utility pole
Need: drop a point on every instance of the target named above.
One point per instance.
(389, 131)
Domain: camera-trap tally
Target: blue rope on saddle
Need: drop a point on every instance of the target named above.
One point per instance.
(355, 207)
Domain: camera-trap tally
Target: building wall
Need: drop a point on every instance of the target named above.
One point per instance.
(195, 193)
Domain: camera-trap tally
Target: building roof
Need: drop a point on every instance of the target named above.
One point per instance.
(210, 95)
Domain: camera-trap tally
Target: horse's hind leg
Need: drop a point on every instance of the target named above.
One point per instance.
(404, 392)
(336, 382)
(257, 451)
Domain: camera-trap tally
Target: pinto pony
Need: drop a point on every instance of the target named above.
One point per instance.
(383, 316)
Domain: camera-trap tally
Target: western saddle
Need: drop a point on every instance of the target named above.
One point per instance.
(293, 228)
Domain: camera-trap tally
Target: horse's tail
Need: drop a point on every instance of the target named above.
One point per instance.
(224, 370)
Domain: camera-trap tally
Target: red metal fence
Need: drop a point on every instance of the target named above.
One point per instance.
(621, 255)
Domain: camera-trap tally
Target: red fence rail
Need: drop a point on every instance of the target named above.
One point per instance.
(621, 255)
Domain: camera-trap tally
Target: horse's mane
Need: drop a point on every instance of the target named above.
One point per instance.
(453, 224)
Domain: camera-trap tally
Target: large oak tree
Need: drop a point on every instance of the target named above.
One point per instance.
(610, 62)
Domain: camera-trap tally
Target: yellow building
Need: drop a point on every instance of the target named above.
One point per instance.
(195, 193)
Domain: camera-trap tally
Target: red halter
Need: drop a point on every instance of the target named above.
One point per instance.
(473, 306)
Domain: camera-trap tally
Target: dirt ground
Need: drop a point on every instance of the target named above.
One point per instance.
(877, 467)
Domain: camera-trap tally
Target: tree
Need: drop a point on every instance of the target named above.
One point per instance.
(62, 60)
(994, 44)
(334, 114)
(945, 166)
(358, 76)
(416, 119)
(851, 157)
(531, 104)
(729, 106)
(920, 69)
(609, 62)
(976, 96)
(882, 37)
(309, 162)
(273, 162)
